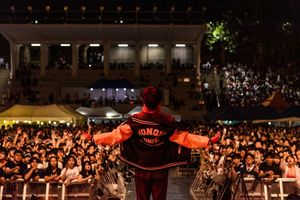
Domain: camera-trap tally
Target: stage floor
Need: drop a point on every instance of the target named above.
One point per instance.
(178, 187)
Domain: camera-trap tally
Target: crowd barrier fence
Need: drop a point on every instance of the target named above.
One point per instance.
(206, 186)
(21, 190)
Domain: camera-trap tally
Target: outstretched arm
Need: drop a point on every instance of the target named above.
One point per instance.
(192, 141)
(118, 135)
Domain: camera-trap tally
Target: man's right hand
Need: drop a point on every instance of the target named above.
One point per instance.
(87, 136)
(215, 138)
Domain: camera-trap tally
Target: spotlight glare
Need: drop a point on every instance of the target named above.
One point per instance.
(152, 45)
(65, 45)
(179, 45)
(122, 45)
(35, 44)
(94, 45)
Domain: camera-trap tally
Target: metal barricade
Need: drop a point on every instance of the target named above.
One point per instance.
(204, 186)
(268, 189)
(113, 185)
(282, 188)
(27, 190)
(77, 190)
(12, 190)
(20, 190)
(249, 188)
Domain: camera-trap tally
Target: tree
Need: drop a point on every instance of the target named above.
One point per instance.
(219, 37)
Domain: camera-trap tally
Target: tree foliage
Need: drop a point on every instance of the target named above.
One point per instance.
(218, 32)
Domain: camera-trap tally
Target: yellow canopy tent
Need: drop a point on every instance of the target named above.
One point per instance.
(28, 113)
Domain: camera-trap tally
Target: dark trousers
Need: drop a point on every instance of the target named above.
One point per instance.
(151, 182)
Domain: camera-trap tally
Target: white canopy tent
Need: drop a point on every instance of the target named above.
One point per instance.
(164, 109)
(100, 113)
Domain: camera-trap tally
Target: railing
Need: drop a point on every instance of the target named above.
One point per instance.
(87, 190)
(208, 186)
(105, 17)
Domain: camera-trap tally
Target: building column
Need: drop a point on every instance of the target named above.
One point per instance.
(168, 58)
(106, 58)
(14, 58)
(44, 58)
(26, 56)
(137, 66)
(84, 54)
(75, 52)
(197, 63)
(197, 57)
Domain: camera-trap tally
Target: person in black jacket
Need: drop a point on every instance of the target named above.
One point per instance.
(152, 142)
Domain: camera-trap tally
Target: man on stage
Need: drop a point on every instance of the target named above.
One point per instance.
(152, 142)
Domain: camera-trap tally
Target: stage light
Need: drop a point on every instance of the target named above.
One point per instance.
(91, 89)
(152, 45)
(109, 114)
(122, 45)
(35, 45)
(179, 45)
(47, 8)
(132, 90)
(186, 80)
(117, 89)
(94, 45)
(65, 45)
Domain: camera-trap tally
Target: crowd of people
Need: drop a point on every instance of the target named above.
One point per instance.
(178, 64)
(29, 152)
(121, 66)
(254, 151)
(246, 86)
(55, 154)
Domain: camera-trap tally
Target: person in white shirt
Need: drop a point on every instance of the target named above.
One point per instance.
(71, 172)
